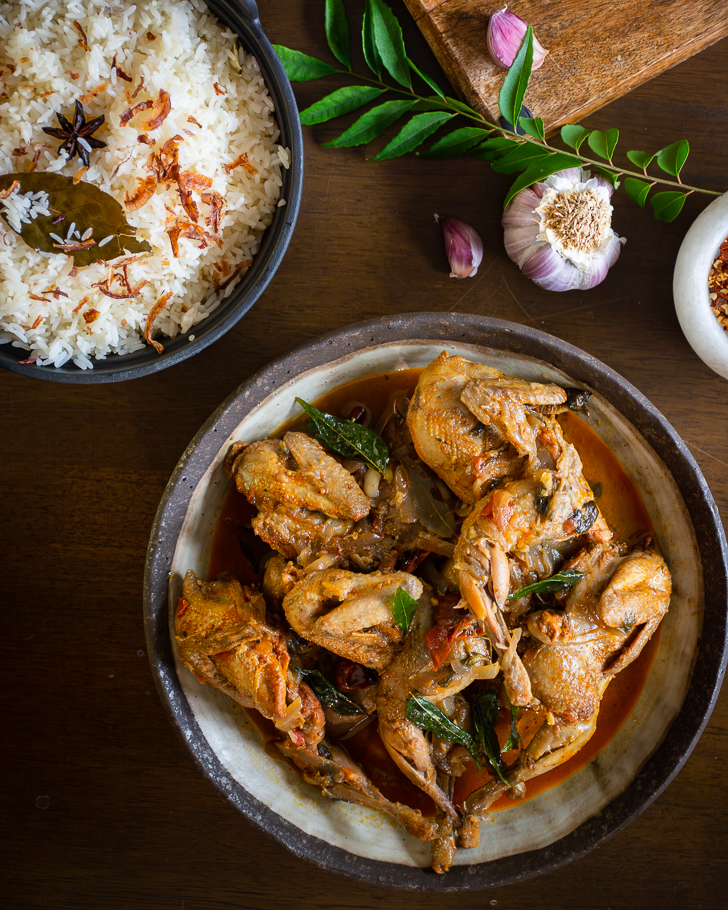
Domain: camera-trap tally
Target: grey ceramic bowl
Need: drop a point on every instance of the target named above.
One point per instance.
(566, 821)
(241, 16)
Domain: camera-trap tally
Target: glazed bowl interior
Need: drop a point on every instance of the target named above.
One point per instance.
(549, 829)
(241, 17)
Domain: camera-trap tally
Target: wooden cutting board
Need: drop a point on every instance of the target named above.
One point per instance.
(598, 50)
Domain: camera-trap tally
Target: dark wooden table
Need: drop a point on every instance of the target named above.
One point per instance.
(103, 807)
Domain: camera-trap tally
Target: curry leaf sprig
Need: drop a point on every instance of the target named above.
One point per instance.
(515, 145)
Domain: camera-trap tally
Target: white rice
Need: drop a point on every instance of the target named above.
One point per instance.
(190, 53)
(20, 207)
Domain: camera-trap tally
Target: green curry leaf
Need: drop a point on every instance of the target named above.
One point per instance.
(513, 90)
(514, 740)
(329, 695)
(389, 42)
(347, 437)
(556, 582)
(342, 101)
(404, 608)
(300, 67)
(484, 712)
(338, 33)
(425, 715)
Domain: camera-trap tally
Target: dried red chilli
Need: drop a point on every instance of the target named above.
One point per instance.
(718, 286)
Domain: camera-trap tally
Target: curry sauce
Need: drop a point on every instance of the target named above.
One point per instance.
(236, 550)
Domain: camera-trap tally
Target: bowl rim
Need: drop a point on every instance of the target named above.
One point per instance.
(241, 17)
(707, 676)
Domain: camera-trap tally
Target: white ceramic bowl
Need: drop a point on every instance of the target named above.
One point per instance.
(690, 286)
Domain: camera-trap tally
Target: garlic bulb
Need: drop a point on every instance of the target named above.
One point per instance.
(463, 246)
(559, 232)
(505, 37)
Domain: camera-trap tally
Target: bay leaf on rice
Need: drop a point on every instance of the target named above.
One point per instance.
(82, 203)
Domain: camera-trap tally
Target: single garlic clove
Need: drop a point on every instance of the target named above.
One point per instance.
(463, 246)
(505, 36)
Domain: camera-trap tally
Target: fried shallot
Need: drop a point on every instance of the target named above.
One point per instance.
(75, 247)
(115, 65)
(13, 186)
(83, 40)
(240, 161)
(103, 286)
(142, 194)
(90, 95)
(162, 107)
(133, 111)
(153, 313)
(188, 181)
(217, 209)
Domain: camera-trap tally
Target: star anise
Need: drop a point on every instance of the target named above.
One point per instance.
(77, 136)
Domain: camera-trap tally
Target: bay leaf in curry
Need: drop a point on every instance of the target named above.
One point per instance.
(82, 203)
(432, 512)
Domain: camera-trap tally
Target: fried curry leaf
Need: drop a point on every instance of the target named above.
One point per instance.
(556, 582)
(403, 609)
(346, 437)
(514, 740)
(484, 712)
(329, 695)
(432, 512)
(426, 716)
(82, 203)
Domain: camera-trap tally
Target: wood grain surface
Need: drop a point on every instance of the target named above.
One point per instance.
(598, 51)
(102, 805)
